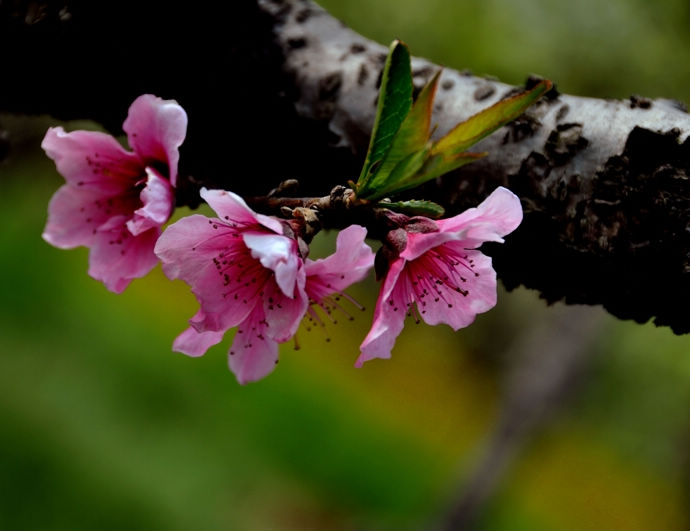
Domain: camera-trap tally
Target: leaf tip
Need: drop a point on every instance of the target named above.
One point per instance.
(398, 44)
(538, 86)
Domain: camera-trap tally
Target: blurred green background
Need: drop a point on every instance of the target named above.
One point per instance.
(103, 427)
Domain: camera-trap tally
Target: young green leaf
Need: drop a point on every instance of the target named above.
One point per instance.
(441, 163)
(412, 137)
(433, 166)
(404, 170)
(482, 124)
(395, 101)
(414, 207)
(401, 155)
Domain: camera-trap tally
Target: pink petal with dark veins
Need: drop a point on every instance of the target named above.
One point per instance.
(214, 262)
(117, 257)
(74, 214)
(93, 160)
(466, 288)
(253, 354)
(231, 208)
(284, 314)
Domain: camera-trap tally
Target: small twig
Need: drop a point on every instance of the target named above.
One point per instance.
(338, 210)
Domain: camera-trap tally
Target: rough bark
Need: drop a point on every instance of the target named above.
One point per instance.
(280, 89)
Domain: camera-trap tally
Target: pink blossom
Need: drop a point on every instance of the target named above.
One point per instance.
(439, 275)
(247, 272)
(115, 201)
(328, 278)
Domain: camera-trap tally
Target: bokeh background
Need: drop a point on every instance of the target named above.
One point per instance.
(103, 427)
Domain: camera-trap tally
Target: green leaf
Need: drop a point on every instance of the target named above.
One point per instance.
(404, 170)
(482, 124)
(411, 138)
(401, 155)
(434, 166)
(414, 131)
(416, 208)
(440, 164)
(395, 100)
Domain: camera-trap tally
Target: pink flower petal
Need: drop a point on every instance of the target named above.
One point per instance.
(467, 289)
(185, 247)
(245, 273)
(498, 215)
(195, 343)
(231, 208)
(439, 276)
(349, 264)
(158, 200)
(103, 205)
(253, 354)
(420, 243)
(194, 251)
(117, 257)
(115, 223)
(92, 160)
(389, 318)
(74, 214)
(155, 130)
(284, 314)
(277, 253)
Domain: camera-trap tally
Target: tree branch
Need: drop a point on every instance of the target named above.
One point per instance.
(280, 89)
